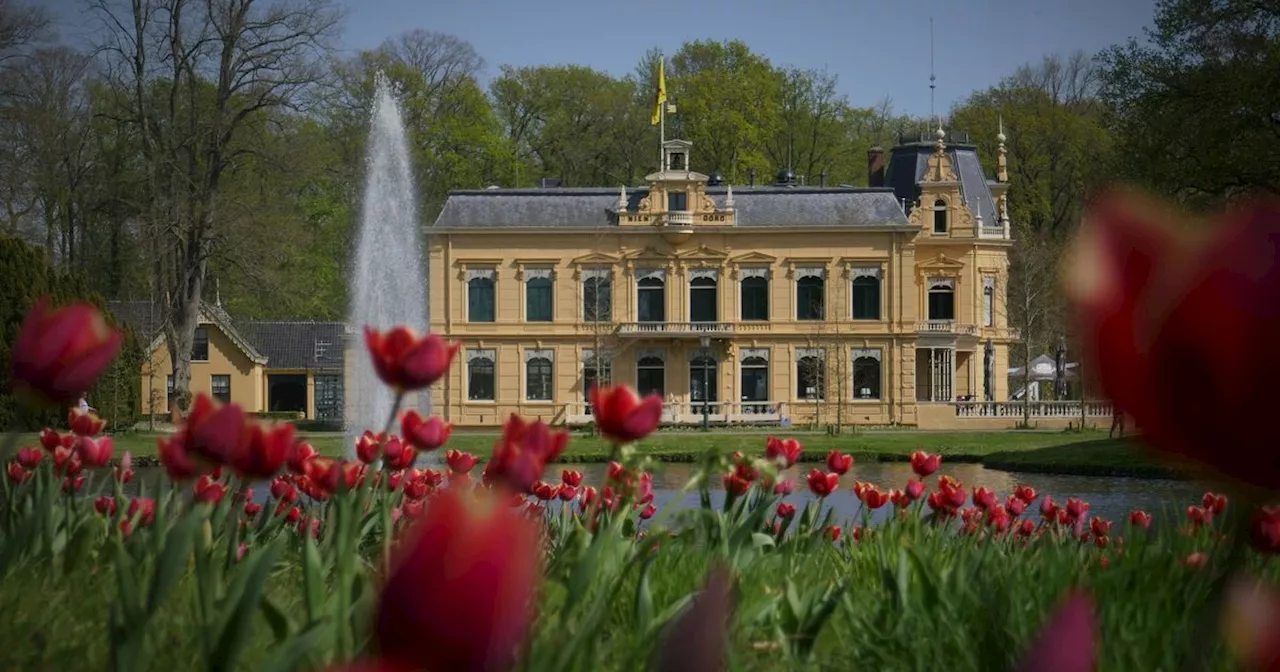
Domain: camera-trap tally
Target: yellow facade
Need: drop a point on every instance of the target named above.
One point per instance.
(684, 281)
(245, 378)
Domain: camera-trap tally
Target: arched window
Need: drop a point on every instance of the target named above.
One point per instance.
(538, 295)
(988, 301)
(755, 294)
(538, 375)
(652, 297)
(651, 374)
(866, 294)
(480, 375)
(703, 384)
(810, 294)
(480, 295)
(755, 379)
(939, 216)
(596, 370)
(866, 374)
(811, 369)
(702, 296)
(942, 299)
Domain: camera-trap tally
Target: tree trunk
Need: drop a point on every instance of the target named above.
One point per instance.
(1026, 383)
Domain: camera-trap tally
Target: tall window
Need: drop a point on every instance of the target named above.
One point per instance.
(988, 301)
(942, 299)
(755, 379)
(652, 296)
(810, 293)
(934, 373)
(597, 295)
(651, 373)
(703, 306)
(537, 295)
(481, 381)
(329, 397)
(596, 370)
(168, 391)
(200, 345)
(480, 295)
(866, 374)
(939, 216)
(221, 388)
(538, 375)
(866, 294)
(755, 293)
(677, 201)
(811, 372)
(703, 383)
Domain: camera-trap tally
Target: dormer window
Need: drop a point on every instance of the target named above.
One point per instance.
(677, 161)
(939, 216)
(677, 201)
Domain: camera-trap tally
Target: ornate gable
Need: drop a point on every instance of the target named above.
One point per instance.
(701, 253)
(754, 258)
(595, 258)
(939, 266)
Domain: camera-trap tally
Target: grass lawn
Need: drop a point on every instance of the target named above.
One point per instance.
(1100, 457)
(1044, 450)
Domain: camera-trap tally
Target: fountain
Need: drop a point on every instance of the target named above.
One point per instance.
(388, 284)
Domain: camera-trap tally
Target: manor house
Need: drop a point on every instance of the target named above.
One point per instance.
(737, 303)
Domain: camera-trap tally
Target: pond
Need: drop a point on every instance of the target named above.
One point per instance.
(1111, 497)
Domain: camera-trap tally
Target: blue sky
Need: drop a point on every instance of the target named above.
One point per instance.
(877, 48)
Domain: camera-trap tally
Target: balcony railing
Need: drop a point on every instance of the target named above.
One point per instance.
(988, 231)
(680, 217)
(690, 412)
(675, 329)
(1038, 409)
(946, 327)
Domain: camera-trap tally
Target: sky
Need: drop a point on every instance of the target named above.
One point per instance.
(877, 49)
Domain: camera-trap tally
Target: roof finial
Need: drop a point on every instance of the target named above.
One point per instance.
(217, 293)
(728, 197)
(1000, 135)
(622, 198)
(977, 211)
(932, 77)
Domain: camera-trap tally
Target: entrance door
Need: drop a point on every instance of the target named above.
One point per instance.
(703, 385)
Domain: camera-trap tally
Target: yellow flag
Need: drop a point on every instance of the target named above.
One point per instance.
(662, 95)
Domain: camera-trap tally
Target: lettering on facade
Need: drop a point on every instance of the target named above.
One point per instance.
(713, 218)
(636, 219)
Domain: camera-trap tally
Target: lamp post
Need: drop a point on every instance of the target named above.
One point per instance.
(706, 390)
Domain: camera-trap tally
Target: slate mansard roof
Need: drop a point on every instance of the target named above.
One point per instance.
(590, 207)
(280, 345)
(908, 163)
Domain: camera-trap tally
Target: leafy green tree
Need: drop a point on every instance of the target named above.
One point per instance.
(1197, 109)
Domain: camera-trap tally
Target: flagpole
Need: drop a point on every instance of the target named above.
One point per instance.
(662, 134)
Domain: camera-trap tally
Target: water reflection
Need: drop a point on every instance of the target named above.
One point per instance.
(1111, 497)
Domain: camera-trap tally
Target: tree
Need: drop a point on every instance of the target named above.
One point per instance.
(1196, 109)
(198, 75)
(1034, 304)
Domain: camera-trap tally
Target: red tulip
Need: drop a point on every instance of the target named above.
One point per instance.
(425, 434)
(1068, 642)
(523, 452)
(874, 498)
(1250, 621)
(1215, 502)
(1048, 510)
(839, 463)
(94, 452)
(72, 484)
(398, 454)
(51, 439)
(1015, 505)
(252, 509)
(648, 511)
(1265, 530)
(59, 353)
(1139, 518)
(914, 489)
(175, 458)
(786, 510)
(481, 559)
(367, 446)
(953, 494)
(1025, 492)
(924, 464)
(645, 493)
(833, 532)
(736, 484)
(213, 431)
(784, 451)
(85, 423)
(209, 491)
(1100, 527)
(984, 498)
(262, 451)
(1195, 560)
(299, 455)
(1151, 302)
(406, 361)
(1077, 508)
(105, 505)
(822, 484)
(567, 493)
(1026, 528)
(460, 462)
(545, 491)
(29, 457)
(622, 415)
(331, 476)
(784, 487)
(17, 473)
(899, 498)
(1199, 516)
(571, 478)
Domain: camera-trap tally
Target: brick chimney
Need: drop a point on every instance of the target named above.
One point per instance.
(875, 167)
